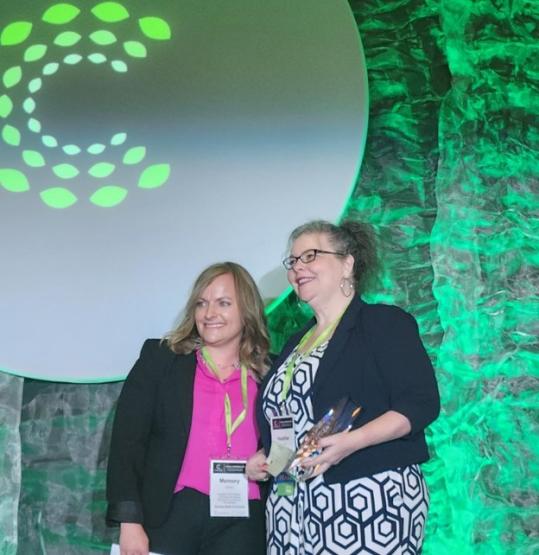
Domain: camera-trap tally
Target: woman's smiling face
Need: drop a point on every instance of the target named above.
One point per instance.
(217, 313)
(319, 280)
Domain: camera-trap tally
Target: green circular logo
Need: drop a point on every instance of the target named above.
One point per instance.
(41, 61)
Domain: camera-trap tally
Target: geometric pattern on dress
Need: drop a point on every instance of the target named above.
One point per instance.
(383, 514)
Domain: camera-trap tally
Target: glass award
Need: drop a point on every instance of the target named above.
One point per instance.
(338, 419)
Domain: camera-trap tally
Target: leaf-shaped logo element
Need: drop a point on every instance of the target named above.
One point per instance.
(58, 14)
(108, 196)
(101, 169)
(15, 33)
(11, 135)
(110, 12)
(65, 171)
(135, 49)
(33, 158)
(67, 38)
(12, 76)
(134, 155)
(118, 139)
(155, 28)
(35, 52)
(154, 176)
(13, 180)
(6, 105)
(103, 38)
(58, 197)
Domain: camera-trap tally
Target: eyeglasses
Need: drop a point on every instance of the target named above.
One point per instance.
(306, 257)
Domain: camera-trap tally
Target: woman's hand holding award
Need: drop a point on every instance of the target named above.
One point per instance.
(338, 419)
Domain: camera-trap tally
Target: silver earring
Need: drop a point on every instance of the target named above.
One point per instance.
(347, 286)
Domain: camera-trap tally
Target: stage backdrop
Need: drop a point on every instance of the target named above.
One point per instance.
(142, 141)
(449, 181)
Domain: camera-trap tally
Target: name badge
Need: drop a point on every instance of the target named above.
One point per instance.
(283, 444)
(282, 431)
(229, 489)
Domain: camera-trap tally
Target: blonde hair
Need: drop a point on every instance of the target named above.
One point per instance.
(254, 343)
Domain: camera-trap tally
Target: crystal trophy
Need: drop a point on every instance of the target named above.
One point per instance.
(338, 419)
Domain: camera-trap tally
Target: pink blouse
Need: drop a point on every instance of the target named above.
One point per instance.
(207, 437)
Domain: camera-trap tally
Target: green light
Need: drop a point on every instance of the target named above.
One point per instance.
(67, 38)
(61, 13)
(118, 139)
(155, 28)
(49, 141)
(101, 170)
(135, 49)
(13, 180)
(15, 33)
(96, 148)
(97, 58)
(108, 196)
(103, 37)
(58, 197)
(119, 66)
(154, 176)
(6, 106)
(72, 59)
(65, 171)
(50, 68)
(35, 52)
(12, 76)
(29, 105)
(35, 85)
(34, 125)
(71, 150)
(134, 155)
(11, 135)
(33, 158)
(110, 12)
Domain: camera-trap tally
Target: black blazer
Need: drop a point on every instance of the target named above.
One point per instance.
(376, 357)
(149, 436)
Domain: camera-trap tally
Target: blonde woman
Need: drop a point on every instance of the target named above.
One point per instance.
(188, 402)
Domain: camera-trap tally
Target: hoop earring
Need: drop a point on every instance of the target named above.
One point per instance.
(347, 286)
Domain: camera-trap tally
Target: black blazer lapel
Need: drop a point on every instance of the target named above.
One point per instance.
(335, 347)
(179, 393)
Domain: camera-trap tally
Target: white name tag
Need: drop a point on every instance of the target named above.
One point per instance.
(282, 431)
(283, 444)
(229, 488)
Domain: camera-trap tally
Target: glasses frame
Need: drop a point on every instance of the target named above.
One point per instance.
(290, 261)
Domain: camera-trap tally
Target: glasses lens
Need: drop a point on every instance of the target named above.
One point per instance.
(288, 262)
(308, 256)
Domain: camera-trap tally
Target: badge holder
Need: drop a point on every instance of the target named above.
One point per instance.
(229, 488)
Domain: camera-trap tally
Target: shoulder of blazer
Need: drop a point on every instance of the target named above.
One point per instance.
(157, 358)
(378, 319)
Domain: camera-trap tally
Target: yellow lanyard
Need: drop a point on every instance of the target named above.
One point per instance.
(230, 426)
(298, 355)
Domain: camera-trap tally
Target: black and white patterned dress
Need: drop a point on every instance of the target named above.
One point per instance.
(380, 514)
